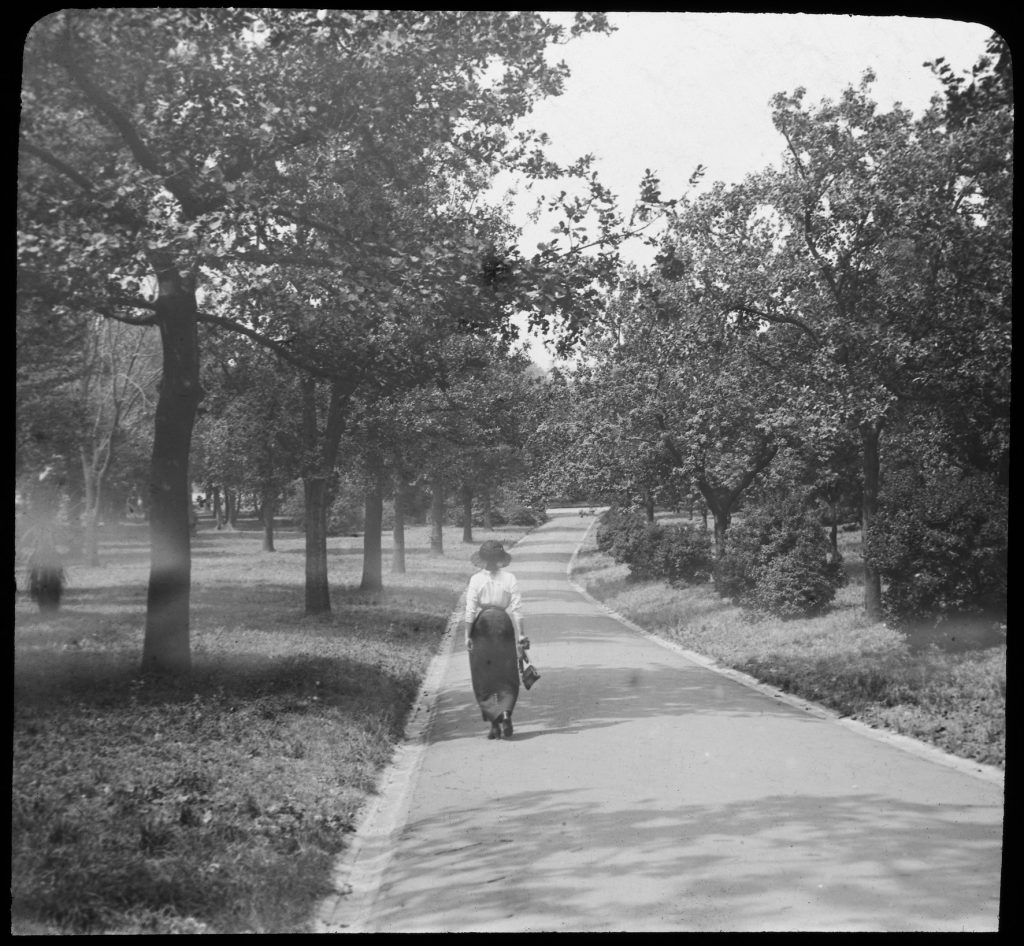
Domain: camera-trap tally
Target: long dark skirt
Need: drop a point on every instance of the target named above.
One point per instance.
(493, 663)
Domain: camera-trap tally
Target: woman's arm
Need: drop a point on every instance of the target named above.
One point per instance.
(472, 606)
(515, 606)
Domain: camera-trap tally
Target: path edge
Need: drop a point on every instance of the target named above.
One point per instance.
(359, 870)
(979, 770)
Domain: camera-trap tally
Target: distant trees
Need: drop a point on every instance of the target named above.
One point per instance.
(117, 389)
(246, 437)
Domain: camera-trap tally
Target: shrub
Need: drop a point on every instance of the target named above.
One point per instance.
(620, 533)
(520, 515)
(779, 560)
(605, 534)
(457, 517)
(674, 553)
(640, 549)
(940, 543)
(796, 584)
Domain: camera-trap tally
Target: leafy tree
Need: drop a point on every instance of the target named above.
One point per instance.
(595, 440)
(879, 253)
(693, 390)
(179, 152)
(902, 229)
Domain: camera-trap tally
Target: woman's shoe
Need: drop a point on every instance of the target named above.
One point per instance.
(506, 725)
(495, 732)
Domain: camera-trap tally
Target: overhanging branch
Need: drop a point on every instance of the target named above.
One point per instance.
(66, 169)
(782, 319)
(279, 348)
(108, 108)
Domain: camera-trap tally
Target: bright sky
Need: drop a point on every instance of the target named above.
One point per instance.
(669, 91)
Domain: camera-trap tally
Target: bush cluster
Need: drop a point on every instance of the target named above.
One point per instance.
(940, 543)
(779, 560)
(511, 514)
(618, 531)
(674, 553)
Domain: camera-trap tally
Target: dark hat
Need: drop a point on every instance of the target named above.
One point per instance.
(490, 553)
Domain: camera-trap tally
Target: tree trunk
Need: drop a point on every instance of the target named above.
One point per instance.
(719, 500)
(466, 494)
(488, 514)
(318, 598)
(436, 516)
(322, 451)
(374, 517)
(649, 506)
(268, 508)
(75, 487)
(213, 499)
(90, 513)
(398, 531)
(834, 530)
(871, 434)
(722, 500)
(166, 646)
(230, 510)
(722, 519)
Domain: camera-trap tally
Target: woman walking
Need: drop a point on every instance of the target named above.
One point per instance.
(493, 628)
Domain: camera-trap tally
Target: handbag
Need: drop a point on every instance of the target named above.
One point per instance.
(530, 675)
(526, 669)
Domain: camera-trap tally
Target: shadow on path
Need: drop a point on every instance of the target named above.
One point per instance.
(698, 850)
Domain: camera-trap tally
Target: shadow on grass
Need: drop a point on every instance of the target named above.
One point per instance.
(298, 683)
(238, 604)
(247, 641)
(957, 634)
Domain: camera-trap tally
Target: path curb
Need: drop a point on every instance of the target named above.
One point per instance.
(360, 869)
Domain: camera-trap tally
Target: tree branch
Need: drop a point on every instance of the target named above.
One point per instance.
(783, 319)
(144, 320)
(764, 456)
(279, 348)
(104, 103)
(66, 169)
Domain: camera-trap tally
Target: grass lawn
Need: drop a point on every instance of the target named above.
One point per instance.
(216, 804)
(944, 684)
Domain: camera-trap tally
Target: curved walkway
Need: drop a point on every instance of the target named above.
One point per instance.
(644, 791)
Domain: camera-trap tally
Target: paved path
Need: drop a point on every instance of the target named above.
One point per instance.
(643, 792)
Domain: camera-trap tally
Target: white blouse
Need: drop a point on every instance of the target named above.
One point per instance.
(499, 589)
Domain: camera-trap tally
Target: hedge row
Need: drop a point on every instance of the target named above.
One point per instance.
(777, 560)
(674, 553)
